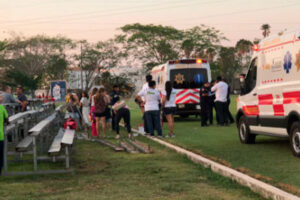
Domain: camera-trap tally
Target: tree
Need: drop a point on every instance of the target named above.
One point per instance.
(123, 80)
(150, 44)
(34, 59)
(228, 63)
(244, 51)
(201, 41)
(266, 30)
(95, 59)
(243, 46)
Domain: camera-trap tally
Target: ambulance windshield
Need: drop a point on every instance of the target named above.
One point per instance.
(188, 78)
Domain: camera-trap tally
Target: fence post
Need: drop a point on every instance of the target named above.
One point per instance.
(67, 157)
(5, 153)
(34, 154)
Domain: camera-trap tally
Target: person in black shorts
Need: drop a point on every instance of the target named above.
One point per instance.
(169, 105)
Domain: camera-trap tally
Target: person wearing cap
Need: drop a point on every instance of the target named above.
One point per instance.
(22, 99)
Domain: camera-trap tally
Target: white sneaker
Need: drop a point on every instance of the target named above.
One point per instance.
(117, 136)
(129, 136)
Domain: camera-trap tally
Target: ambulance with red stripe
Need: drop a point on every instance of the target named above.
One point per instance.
(187, 77)
(270, 104)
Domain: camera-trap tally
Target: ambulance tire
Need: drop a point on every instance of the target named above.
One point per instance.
(246, 137)
(295, 138)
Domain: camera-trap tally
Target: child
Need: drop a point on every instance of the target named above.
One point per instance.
(3, 118)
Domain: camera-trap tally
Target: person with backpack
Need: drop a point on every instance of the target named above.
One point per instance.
(169, 106)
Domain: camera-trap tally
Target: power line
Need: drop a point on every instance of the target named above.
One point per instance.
(237, 12)
(117, 13)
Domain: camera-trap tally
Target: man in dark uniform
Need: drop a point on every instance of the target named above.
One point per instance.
(115, 97)
(205, 101)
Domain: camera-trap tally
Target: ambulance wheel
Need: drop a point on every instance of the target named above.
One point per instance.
(245, 135)
(295, 138)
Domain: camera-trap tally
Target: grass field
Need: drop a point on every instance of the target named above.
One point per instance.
(270, 159)
(101, 173)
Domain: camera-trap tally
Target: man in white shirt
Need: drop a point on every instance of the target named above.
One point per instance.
(145, 87)
(221, 90)
(152, 114)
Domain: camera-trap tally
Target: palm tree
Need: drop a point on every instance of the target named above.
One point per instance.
(266, 30)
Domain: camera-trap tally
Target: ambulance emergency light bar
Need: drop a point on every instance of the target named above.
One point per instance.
(188, 61)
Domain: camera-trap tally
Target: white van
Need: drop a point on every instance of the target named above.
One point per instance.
(187, 76)
(270, 104)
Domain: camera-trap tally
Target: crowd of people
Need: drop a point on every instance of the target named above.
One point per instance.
(100, 110)
(155, 105)
(99, 107)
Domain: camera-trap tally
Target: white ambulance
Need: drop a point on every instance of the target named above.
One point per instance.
(270, 104)
(187, 77)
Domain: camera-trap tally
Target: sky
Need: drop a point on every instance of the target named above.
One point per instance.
(96, 20)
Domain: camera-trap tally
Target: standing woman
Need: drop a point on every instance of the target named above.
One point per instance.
(169, 106)
(92, 112)
(84, 103)
(100, 114)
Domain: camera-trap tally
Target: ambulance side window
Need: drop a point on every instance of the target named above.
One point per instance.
(250, 81)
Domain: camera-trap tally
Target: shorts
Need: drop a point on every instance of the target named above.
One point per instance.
(170, 110)
(103, 114)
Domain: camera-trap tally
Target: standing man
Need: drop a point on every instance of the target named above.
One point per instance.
(142, 100)
(204, 102)
(115, 97)
(152, 113)
(221, 89)
(7, 97)
(22, 99)
(3, 119)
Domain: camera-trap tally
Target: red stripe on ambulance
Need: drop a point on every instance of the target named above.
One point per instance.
(291, 97)
(265, 99)
(278, 110)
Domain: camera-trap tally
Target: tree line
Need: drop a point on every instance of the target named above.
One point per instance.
(34, 61)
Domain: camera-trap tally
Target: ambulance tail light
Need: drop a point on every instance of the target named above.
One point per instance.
(255, 47)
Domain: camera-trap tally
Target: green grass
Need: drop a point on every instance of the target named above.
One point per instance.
(103, 174)
(270, 157)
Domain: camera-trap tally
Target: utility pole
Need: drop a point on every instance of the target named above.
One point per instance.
(81, 73)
